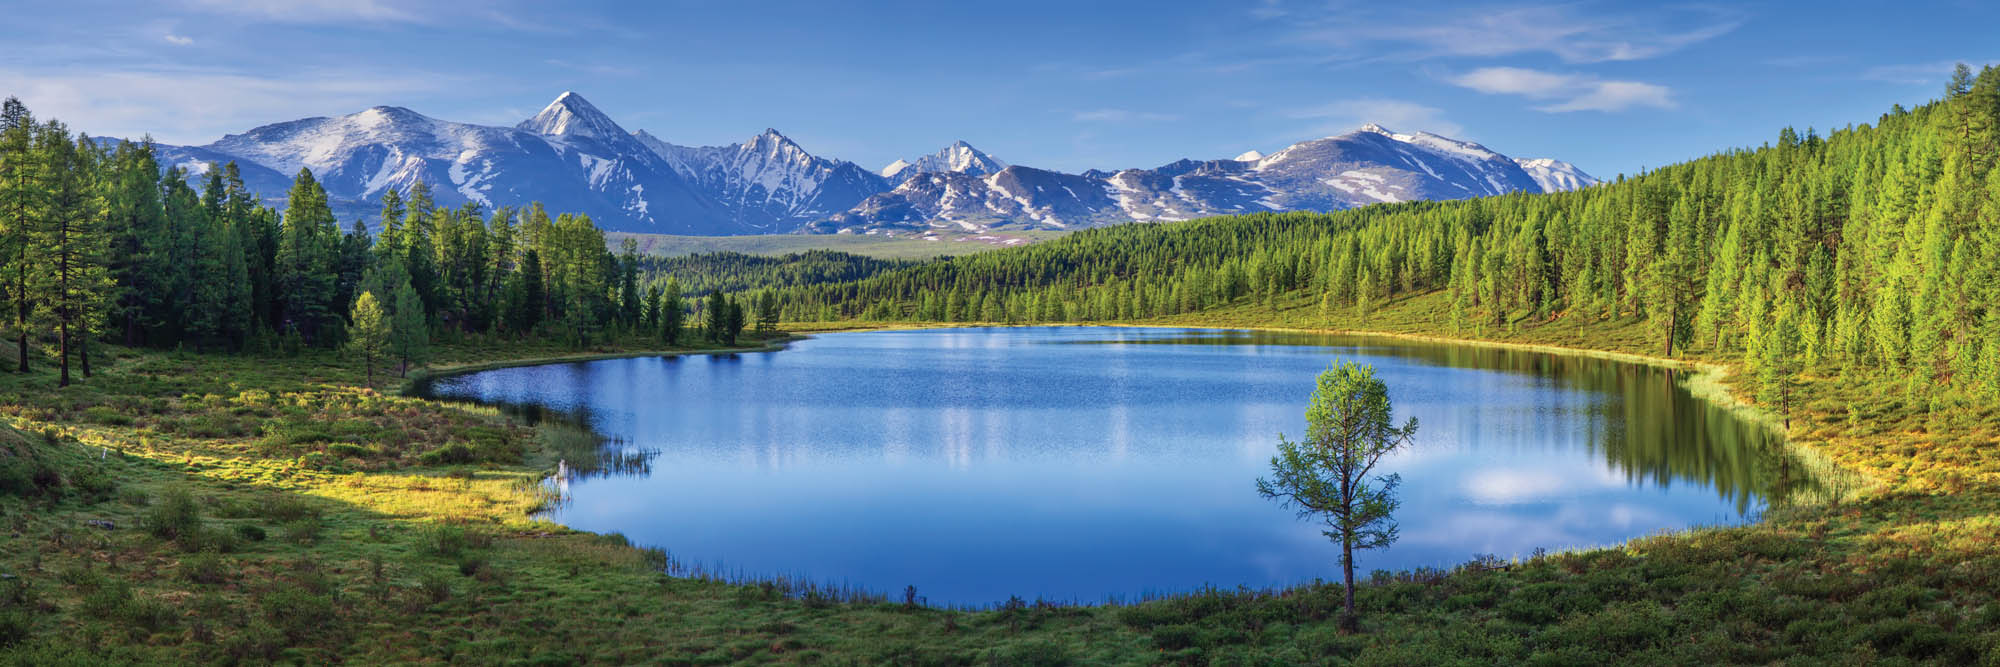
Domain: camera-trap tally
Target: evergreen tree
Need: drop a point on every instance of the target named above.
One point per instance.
(371, 332)
(410, 329)
(22, 201)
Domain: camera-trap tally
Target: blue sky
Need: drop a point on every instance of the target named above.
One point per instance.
(1612, 87)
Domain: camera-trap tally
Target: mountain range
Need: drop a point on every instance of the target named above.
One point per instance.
(573, 157)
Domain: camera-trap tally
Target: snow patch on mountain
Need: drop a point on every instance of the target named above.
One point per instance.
(1556, 175)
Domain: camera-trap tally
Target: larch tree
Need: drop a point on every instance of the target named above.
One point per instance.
(1328, 476)
(371, 332)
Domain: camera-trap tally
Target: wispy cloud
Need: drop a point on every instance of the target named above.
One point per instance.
(1343, 115)
(1566, 92)
(1120, 116)
(179, 40)
(1566, 31)
(315, 11)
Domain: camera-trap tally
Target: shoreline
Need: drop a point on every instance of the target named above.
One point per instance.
(433, 372)
(1704, 381)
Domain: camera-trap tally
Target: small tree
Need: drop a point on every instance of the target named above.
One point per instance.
(412, 333)
(371, 332)
(1326, 476)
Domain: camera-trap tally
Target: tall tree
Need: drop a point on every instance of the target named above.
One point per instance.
(21, 204)
(371, 332)
(1326, 476)
(411, 335)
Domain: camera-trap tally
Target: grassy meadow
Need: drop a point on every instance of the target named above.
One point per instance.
(182, 508)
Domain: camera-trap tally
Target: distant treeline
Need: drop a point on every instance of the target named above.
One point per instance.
(99, 242)
(1876, 247)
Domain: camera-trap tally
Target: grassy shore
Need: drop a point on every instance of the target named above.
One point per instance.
(277, 510)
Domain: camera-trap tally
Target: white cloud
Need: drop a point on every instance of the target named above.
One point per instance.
(196, 106)
(1516, 81)
(1119, 116)
(1616, 96)
(1398, 115)
(1414, 32)
(178, 40)
(1566, 92)
(311, 11)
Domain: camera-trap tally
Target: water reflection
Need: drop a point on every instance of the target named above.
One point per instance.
(1076, 463)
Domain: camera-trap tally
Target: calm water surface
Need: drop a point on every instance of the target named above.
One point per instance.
(1088, 463)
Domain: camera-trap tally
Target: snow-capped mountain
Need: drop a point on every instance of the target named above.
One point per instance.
(1555, 175)
(769, 182)
(573, 157)
(959, 158)
(1370, 165)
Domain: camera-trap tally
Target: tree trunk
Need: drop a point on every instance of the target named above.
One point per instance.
(1348, 621)
(62, 343)
(83, 352)
(1673, 323)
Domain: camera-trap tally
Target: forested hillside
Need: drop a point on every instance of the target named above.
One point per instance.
(99, 243)
(1875, 246)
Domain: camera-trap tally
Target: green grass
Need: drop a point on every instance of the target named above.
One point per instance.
(880, 247)
(274, 510)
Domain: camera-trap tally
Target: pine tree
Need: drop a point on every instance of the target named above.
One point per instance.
(371, 332)
(673, 313)
(410, 329)
(22, 201)
(69, 241)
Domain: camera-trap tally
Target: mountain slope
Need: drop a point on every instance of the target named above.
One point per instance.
(768, 182)
(1370, 165)
(958, 158)
(573, 157)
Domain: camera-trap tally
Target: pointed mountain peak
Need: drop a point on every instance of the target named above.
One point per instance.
(894, 168)
(1374, 128)
(571, 115)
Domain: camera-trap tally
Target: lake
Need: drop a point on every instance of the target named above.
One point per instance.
(1093, 463)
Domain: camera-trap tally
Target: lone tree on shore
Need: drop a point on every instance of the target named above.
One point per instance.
(1325, 477)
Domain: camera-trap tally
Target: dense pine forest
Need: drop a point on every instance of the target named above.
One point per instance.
(1874, 248)
(102, 243)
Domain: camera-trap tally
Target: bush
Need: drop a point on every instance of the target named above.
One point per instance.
(452, 453)
(206, 567)
(452, 542)
(174, 516)
(14, 627)
(1029, 653)
(296, 612)
(304, 531)
(250, 533)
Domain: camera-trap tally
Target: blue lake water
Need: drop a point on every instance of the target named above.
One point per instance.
(1083, 463)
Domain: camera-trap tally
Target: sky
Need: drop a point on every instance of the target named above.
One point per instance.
(1613, 87)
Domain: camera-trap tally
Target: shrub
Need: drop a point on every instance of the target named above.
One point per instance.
(436, 588)
(452, 453)
(206, 567)
(174, 515)
(250, 533)
(305, 531)
(14, 626)
(451, 541)
(296, 612)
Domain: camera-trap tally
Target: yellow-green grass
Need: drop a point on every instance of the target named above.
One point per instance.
(402, 558)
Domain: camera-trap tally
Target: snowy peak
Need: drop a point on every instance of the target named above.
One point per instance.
(1556, 175)
(572, 116)
(1249, 156)
(958, 158)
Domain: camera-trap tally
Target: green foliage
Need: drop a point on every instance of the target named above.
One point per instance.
(1326, 476)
